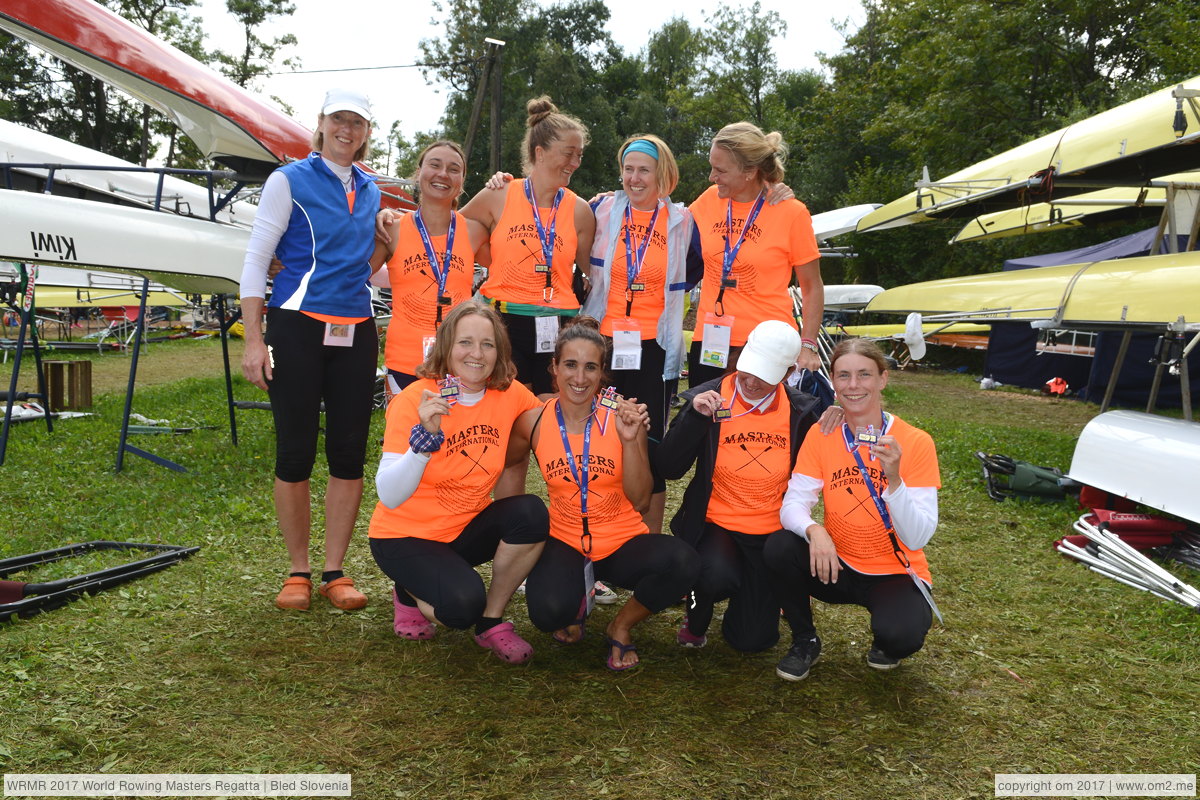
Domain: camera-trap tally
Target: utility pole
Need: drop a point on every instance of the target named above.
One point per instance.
(491, 70)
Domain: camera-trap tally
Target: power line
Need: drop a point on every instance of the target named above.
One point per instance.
(390, 66)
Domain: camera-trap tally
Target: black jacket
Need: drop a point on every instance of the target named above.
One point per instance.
(693, 438)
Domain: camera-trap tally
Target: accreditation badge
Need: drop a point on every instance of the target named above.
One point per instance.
(546, 333)
(589, 584)
(714, 350)
(339, 334)
(627, 344)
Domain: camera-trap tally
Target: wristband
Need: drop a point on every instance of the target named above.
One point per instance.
(808, 344)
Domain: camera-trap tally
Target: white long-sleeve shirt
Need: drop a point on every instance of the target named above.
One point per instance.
(399, 474)
(914, 510)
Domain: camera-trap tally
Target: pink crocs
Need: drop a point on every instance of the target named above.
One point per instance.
(505, 643)
(409, 622)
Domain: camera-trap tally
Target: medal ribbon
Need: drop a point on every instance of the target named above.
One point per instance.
(546, 236)
(581, 477)
(444, 273)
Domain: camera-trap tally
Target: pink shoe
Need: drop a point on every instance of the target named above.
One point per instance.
(505, 643)
(409, 622)
(688, 639)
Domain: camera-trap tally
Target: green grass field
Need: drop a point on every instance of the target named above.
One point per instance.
(1042, 667)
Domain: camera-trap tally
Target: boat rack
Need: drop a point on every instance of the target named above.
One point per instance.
(27, 599)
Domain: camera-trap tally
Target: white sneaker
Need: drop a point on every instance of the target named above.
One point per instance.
(604, 595)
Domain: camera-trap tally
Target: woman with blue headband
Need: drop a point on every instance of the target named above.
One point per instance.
(639, 277)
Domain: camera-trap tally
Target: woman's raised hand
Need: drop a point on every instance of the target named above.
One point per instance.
(431, 410)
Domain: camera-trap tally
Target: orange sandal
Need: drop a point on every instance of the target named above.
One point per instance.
(295, 594)
(343, 595)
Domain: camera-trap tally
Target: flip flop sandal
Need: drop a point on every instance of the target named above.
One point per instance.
(581, 621)
(623, 648)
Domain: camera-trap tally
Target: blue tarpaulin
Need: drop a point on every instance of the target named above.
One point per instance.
(1013, 358)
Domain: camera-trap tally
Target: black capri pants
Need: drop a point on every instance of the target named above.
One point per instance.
(443, 573)
(306, 372)
(900, 617)
(732, 568)
(659, 569)
(533, 368)
(648, 386)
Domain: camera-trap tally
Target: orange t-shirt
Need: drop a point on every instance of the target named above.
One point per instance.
(612, 519)
(780, 239)
(648, 303)
(754, 463)
(458, 480)
(415, 291)
(517, 251)
(850, 515)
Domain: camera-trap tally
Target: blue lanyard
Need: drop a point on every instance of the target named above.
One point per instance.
(887, 522)
(545, 237)
(581, 477)
(633, 261)
(731, 254)
(444, 273)
(880, 506)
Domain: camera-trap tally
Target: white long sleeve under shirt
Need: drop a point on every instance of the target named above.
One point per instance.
(914, 510)
(399, 474)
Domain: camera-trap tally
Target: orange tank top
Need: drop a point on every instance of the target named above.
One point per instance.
(415, 290)
(612, 519)
(513, 276)
(459, 478)
(646, 291)
(753, 465)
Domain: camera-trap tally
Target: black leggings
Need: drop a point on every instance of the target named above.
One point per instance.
(443, 573)
(732, 568)
(306, 372)
(647, 385)
(659, 569)
(900, 617)
(702, 373)
(533, 368)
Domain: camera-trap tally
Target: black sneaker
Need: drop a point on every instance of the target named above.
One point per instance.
(802, 655)
(877, 659)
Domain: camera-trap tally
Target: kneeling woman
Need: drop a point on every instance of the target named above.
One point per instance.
(742, 432)
(879, 478)
(444, 448)
(592, 452)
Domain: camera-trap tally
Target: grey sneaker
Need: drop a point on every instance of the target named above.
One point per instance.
(802, 655)
(877, 659)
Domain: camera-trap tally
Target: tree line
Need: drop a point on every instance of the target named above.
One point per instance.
(936, 83)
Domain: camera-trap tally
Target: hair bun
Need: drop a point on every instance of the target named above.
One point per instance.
(538, 109)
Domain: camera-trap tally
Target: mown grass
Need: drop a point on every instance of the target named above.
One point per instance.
(1041, 667)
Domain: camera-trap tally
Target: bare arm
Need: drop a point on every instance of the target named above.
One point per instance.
(384, 248)
(585, 230)
(632, 421)
(812, 291)
(256, 360)
(485, 208)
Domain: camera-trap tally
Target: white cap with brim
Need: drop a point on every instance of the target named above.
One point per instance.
(771, 350)
(347, 100)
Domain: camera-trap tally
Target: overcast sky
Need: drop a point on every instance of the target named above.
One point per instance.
(340, 34)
